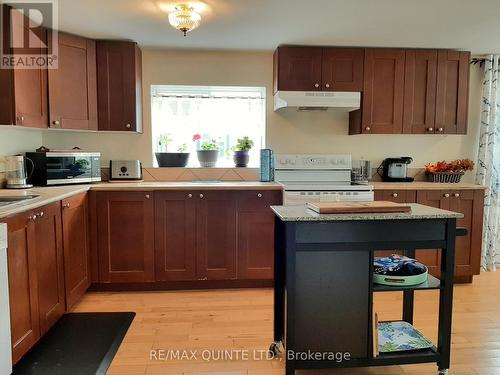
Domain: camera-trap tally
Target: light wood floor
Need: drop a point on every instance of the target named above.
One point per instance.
(242, 319)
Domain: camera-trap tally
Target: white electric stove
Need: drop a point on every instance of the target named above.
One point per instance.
(318, 178)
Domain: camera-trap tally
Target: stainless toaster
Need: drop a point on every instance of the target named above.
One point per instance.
(125, 170)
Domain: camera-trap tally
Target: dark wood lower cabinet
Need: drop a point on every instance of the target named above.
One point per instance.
(468, 248)
(50, 267)
(125, 227)
(23, 286)
(76, 247)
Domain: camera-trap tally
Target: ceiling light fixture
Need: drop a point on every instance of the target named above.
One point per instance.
(184, 18)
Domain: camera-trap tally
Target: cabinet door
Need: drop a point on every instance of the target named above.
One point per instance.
(420, 91)
(72, 86)
(50, 266)
(382, 107)
(125, 226)
(342, 69)
(432, 258)
(175, 236)
(256, 234)
(119, 86)
(452, 92)
(76, 247)
(216, 235)
(23, 91)
(468, 248)
(297, 69)
(23, 286)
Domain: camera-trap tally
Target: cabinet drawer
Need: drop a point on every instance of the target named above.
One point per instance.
(258, 199)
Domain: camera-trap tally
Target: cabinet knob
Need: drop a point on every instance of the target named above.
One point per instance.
(446, 195)
(201, 195)
(147, 196)
(368, 128)
(190, 195)
(66, 205)
(440, 129)
(430, 129)
(327, 85)
(55, 122)
(32, 218)
(128, 126)
(395, 195)
(316, 85)
(40, 214)
(259, 195)
(20, 118)
(457, 195)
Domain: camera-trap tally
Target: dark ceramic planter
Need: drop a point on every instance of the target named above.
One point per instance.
(172, 159)
(208, 158)
(241, 158)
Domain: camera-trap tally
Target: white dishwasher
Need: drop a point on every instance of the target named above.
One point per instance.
(5, 340)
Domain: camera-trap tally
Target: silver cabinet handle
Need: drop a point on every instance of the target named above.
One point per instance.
(190, 195)
(316, 85)
(430, 129)
(201, 195)
(368, 128)
(147, 196)
(446, 195)
(56, 123)
(440, 129)
(128, 126)
(66, 205)
(395, 195)
(259, 195)
(327, 85)
(457, 195)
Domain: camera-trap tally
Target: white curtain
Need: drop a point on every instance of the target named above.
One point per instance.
(488, 168)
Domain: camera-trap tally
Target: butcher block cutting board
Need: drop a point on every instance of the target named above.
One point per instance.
(358, 207)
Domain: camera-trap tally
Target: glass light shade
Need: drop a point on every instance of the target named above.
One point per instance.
(184, 18)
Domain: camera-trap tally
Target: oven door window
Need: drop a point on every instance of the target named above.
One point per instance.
(65, 167)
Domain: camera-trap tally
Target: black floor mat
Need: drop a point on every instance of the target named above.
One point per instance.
(78, 344)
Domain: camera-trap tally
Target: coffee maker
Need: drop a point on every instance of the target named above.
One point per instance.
(395, 169)
(16, 172)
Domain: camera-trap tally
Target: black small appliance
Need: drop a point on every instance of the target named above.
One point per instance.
(395, 169)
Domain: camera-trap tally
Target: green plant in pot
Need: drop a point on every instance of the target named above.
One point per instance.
(171, 159)
(208, 152)
(241, 149)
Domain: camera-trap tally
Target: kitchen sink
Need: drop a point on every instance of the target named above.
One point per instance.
(6, 201)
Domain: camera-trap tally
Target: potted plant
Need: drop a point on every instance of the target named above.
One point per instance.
(241, 149)
(208, 152)
(444, 171)
(171, 159)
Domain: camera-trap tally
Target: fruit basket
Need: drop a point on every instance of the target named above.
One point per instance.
(448, 172)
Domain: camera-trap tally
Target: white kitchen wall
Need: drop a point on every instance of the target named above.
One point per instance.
(14, 141)
(291, 131)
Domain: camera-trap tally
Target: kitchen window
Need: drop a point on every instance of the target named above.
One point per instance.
(211, 113)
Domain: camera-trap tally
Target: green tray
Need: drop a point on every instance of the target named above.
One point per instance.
(401, 280)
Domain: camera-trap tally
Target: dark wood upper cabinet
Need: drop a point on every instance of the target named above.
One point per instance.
(50, 266)
(125, 226)
(23, 286)
(175, 236)
(297, 68)
(452, 97)
(419, 108)
(76, 247)
(382, 103)
(23, 91)
(215, 235)
(318, 69)
(342, 69)
(119, 76)
(73, 85)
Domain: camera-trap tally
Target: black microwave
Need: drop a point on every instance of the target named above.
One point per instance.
(59, 168)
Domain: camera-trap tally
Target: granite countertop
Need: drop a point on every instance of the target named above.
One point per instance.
(53, 194)
(423, 185)
(418, 211)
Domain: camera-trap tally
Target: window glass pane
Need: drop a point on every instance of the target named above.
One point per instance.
(219, 114)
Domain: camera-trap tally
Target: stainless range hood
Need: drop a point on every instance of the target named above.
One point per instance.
(317, 100)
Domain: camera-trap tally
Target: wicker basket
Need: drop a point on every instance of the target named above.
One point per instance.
(444, 177)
